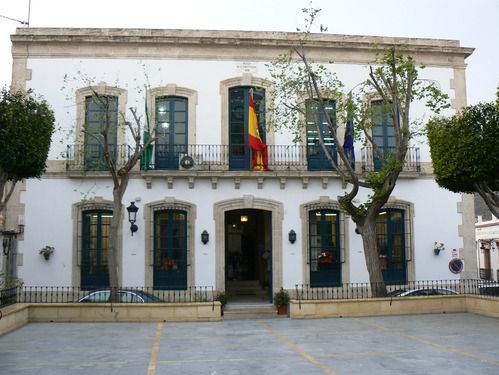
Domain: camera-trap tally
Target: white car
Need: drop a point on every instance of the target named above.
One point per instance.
(406, 292)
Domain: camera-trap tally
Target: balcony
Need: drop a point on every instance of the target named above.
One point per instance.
(203, 157)
(372, 162)
(91, 158)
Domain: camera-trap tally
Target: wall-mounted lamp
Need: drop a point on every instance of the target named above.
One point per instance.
(132, 217)
(205, 237)
(292, 236)
(244, 218)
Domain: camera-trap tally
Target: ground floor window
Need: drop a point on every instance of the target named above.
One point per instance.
(170, 249)
(324, 248)
(390, 237)
(96, 225)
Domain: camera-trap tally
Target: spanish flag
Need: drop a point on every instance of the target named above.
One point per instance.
(259, 161)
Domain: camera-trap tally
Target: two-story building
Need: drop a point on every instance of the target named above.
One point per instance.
(206, 217)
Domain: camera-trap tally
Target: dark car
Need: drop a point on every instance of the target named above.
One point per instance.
(124, 296)
(406, 292)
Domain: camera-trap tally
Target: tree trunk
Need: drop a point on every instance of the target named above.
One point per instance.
(112, 250)
(5, 193)
(490, 197)
(368, 232)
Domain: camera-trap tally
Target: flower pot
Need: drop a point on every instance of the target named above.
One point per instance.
(46, 256)
(282, 309)
(436, 251)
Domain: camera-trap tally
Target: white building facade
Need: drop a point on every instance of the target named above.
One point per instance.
(198, 84)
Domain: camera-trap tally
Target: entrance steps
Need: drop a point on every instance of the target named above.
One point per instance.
(236, 311)
(246, 291)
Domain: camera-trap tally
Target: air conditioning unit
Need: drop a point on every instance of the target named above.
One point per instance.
(188, 162)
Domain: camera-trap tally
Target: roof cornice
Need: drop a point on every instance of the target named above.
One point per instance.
(33, 42)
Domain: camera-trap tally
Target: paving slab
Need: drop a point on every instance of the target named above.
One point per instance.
(419, 344)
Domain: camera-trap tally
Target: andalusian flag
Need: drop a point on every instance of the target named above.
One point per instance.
(260, 157)
(146, 158)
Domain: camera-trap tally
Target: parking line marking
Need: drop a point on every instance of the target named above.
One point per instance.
(297, 349)
(431, 343)
(151, 368)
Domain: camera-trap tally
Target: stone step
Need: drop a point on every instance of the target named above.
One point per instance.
(245, 288)
(250, 311)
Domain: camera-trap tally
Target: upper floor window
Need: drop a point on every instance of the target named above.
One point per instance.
(317, 127)
(240, 153)
(172, 131)
(383, 132)
(101, 116)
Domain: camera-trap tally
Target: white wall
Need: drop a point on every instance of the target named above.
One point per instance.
(57, 80)
(48, 201)
(435, 219)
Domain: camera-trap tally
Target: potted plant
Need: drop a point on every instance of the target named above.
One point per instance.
(281, 300)
(47, 251)
(222, 298)
(438, 247)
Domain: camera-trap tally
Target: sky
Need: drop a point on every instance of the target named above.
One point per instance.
(474, 23)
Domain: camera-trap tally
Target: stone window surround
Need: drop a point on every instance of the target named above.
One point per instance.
(409, 213)
(96, 203)
(174, 90)
(245, 79)
(324, 203)
(169, 203)
(101, 89)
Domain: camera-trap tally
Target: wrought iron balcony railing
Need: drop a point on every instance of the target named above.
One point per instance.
(204, 157)
(373, 160)
(91, 157)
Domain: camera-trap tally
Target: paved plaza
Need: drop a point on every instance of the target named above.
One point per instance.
(421, 344)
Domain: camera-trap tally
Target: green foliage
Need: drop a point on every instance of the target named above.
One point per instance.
(464, 148)
(293, 86)
(221, 297)
(26, 127)
(281, 297)
(46, 251)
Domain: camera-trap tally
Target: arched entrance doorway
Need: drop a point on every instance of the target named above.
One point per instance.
(265, 211)
(248, 255)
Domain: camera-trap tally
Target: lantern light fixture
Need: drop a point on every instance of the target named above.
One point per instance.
(132, 217)
(205, 237)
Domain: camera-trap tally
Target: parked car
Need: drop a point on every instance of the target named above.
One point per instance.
(487, 288)
(125, 296)
(407, 292)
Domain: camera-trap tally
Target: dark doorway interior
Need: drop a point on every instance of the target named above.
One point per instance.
(248, 255)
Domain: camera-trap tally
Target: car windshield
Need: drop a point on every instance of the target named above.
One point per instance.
(125, 296)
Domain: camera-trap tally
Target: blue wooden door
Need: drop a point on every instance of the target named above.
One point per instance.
(324, 248)
(383, 133)
(239, 151)
(390, 239)
(317, 124)
(99, 113)
(95, 237)
(170, 249)
(171, 131)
